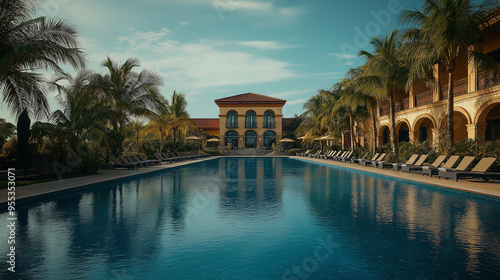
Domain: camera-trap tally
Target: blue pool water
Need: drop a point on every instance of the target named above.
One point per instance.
(257, 218)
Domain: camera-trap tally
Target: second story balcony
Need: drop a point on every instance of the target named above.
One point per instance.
(250, 124)
(231, 125)
(269, 125)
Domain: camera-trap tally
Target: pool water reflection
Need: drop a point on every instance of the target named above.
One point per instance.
(257, 218)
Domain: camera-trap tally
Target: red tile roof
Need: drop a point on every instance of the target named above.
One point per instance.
(287, 124)
(207, 124)
(250, 98)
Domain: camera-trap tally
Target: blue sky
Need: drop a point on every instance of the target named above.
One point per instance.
(209, 49)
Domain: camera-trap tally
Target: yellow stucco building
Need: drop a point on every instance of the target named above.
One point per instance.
(421, 112)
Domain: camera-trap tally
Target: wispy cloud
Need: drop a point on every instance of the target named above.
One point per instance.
(297, 101)
(267, 45)
(197, 65)
(184, 23)
(343, 55)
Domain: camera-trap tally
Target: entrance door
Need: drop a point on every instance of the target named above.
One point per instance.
(250, 139)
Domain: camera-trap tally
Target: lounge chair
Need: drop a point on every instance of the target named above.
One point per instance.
(479, 171)
(321, 154)
(141, 162)
(341, 155)
(146, 161)
(346, 156)
(172, 158)
(153, 161)
(332, 156)
(397, 166)
(365, 161)
(412, 167)
(159, 157)
(431, 170)
(303, 154)
(127, 161)
(315, 154)
(117, 163)
(464, 164)
(380, 158)
(419, 163)
(356, 160)
(331, 152)
(349, 158)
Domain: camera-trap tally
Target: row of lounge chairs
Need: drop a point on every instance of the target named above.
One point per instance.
(136, 161)
(418, 163)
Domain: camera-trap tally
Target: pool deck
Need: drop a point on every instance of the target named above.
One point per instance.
(478, 186)
(41, 189)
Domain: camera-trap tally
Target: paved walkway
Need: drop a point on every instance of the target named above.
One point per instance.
(104, 176)
(479, 186)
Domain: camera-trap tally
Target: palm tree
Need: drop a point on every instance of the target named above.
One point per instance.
(316, 116)
(386, 72)
(29, 44)
(83, 116)
(129, 92)
(178, 118)
(352, 101)
(137, 126)
(444, 30)
(372, 95)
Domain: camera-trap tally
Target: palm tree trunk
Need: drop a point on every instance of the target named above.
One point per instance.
(392, 122)
(175, 140)
(373, 110)
(161, 141)
(137, 142)
(451, 131)
(351, 128)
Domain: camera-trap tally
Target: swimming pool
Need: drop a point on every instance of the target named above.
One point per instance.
(257, 218)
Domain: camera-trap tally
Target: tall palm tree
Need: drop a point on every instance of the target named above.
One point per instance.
(445, 29)
(28, 44)
(387, 72)
(83, 116)
(372, 95)
(178, 119)
(352, 101)
(129, 92)
(316, 115)
(137, 126)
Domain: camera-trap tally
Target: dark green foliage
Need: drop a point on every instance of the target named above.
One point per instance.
(7, 130)
(292, 152)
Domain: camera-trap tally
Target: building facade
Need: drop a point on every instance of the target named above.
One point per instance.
(247, 121)
(421, 112)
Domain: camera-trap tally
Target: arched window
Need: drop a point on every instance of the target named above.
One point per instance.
(250, 139)
(232, 120)
(251, 120)
(232, 137)
(269, 138)
(269, 120)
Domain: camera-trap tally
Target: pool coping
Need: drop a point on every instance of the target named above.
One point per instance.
(477, 187)
(43, 190)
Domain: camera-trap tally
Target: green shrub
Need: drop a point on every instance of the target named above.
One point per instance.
(292, 152)
(213, 153)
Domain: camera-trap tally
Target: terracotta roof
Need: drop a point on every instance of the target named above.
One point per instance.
(206, 123)
(250, 98)
(287, 124)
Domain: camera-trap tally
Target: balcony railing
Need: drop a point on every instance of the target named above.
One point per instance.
(384, 110)
(250, 125)
(461, 87)
(269, 125)
(423, 98)
(232, 125)
(487, 79)
(402, 104)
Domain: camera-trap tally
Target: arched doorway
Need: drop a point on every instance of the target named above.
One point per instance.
(269, 138)
(493, 124)
(385, 135)
(250, 139)
(423, 130)
(459, 125)
(251, 119)
(269, 120)
(232, 138)
(403, 132)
